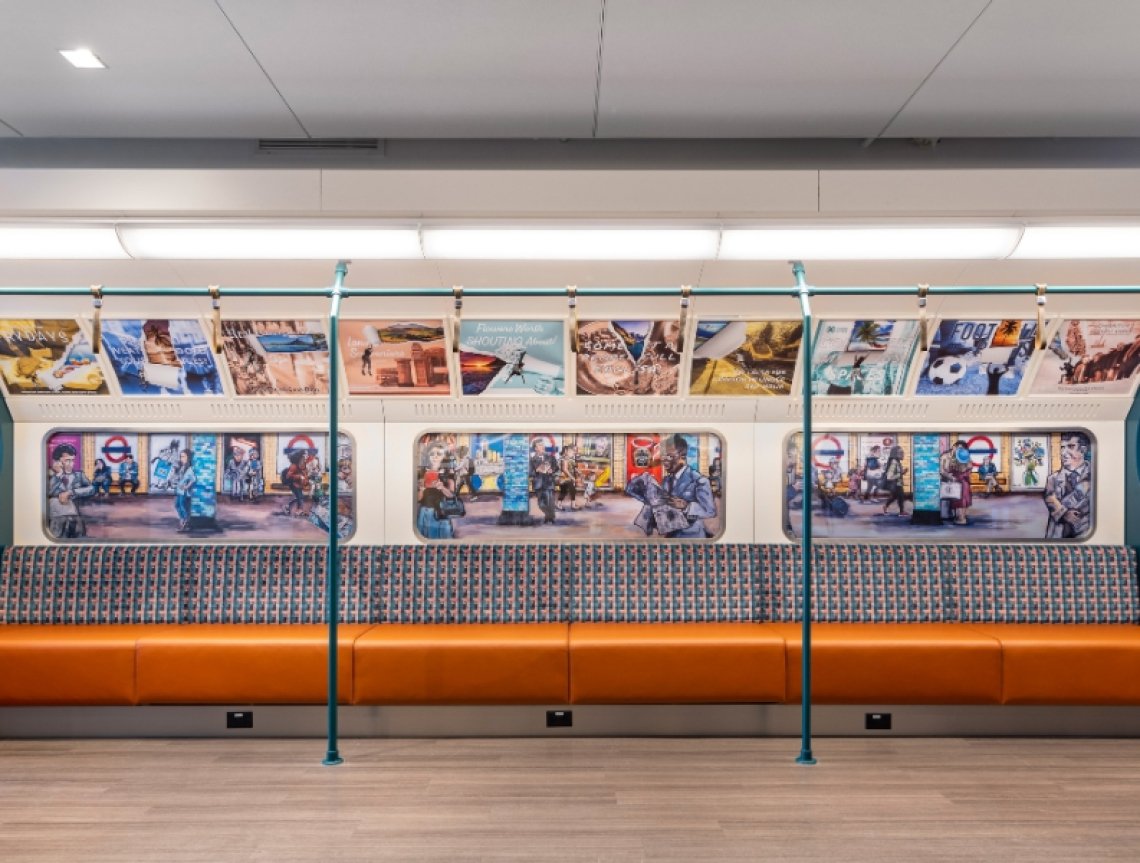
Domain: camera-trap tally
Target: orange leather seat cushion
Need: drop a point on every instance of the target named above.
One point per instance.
(896, 663)
(68, 664)
(243, 664)
(1068, 663)
(478, 663)
(673, 663)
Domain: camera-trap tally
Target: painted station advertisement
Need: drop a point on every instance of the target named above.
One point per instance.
(512, 358)
(862, 358)
(521, 486)
(629, 358)
(183, 486)
(1090, 357)
(934, 487)
(977, 358)
(45, 356)
(395, 357)
(277, 358)
(745, 358)
(159, 357)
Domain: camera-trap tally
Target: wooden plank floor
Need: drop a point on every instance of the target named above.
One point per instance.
(569, 801)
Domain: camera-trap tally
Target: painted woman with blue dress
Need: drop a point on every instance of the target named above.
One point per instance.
(183, 480)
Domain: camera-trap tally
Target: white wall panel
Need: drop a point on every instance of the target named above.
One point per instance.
(994, 192)
(502, 194)
(168, 192)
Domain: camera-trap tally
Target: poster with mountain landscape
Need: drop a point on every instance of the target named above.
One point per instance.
(395, 357)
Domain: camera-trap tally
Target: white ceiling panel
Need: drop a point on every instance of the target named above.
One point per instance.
(783, 68)
(175, 69)
(433, 68)
(1036, 68)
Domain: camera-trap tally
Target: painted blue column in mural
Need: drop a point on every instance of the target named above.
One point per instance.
(203, 501)
(516, 480)
(927, 479)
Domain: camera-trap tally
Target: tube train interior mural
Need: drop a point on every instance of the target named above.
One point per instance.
(714, 461)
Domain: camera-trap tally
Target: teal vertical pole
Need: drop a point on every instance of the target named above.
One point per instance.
(805, 756)
(332, 450)
(7, 481)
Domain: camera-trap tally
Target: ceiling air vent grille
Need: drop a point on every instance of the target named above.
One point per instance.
(271, 410)
(309, 145)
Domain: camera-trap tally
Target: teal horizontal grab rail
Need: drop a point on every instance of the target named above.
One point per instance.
(675, 291)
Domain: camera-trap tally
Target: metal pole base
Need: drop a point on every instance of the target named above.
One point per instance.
(332, 758)
(805, 757)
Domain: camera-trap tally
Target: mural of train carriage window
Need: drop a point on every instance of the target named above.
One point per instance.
(48, 357)
(944, 486)
(180, 486)
(160, 358)
(489, 487)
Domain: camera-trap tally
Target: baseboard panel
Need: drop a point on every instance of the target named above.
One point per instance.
(725, 720)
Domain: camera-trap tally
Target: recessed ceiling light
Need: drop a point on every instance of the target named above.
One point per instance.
(82, 58)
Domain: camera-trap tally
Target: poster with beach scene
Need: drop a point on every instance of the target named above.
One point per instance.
(745, 358)
(44, 356)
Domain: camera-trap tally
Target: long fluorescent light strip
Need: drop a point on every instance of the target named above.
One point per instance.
(859, 244)
(295, 244)
(1077, 243)
(572, 244)
(60, 243)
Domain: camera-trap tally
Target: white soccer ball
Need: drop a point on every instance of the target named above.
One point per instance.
(947, 370)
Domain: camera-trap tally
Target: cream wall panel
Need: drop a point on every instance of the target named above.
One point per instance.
(570, 193)
(171, 192)
(997, 192)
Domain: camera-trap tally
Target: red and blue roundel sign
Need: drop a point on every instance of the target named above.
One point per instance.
(824, 449)
(980, 446)
(116, 449)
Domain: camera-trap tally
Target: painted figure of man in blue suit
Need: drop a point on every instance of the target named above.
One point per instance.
(687, 500)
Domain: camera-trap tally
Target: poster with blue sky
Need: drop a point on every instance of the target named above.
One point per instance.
(160, 358)
(512, 358)
(977, 358)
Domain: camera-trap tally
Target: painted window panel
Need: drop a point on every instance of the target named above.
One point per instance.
(512, 487)
(959, 486)
(186, 486)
